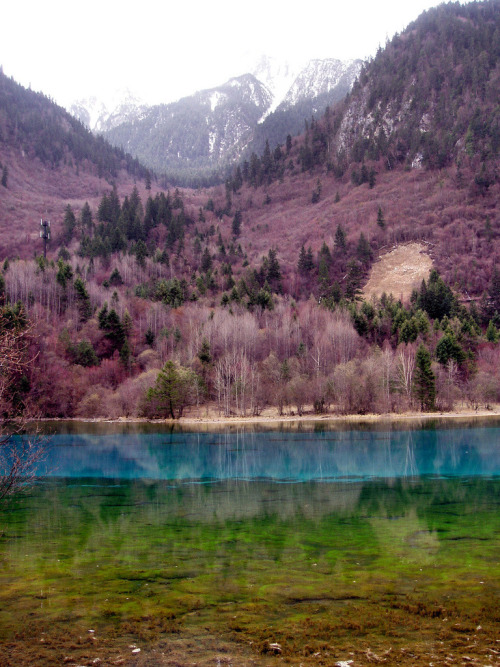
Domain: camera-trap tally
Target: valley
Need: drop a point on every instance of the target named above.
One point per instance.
(297, 275)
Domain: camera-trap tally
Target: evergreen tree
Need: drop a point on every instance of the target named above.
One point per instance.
(114, 329)
(206, 261)
(236, 226)
(448, 348)
(267, 163)
(125, 353)
(306, 261)
(363, 250)
(380, 218)
(204, 354)
(175, 387)
(340, 239)
(492, 333)
(115, 279)
(141, 252)
(84, 354)
(86, 219)
(69, 224)
(273, 267)
(83, 300)
(435, 297)
(64, 273)
(5, 175)
(424, 379)
(127, 323)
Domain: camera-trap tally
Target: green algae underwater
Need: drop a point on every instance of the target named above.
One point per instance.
(215, 567)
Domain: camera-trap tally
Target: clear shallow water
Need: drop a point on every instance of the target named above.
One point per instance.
(312, 455)
(310, 538)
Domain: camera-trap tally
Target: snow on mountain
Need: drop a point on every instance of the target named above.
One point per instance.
(103, 115)
(319, 77)
(277, 75)
(217, 125)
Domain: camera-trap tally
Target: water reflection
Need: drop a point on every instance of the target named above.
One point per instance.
(292, 456)
(123, 531)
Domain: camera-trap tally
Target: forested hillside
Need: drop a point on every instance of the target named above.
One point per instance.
(249, 295)
(45, 131)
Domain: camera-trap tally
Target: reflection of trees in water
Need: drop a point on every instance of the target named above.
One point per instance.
(410, 467)
(162, 522)
(305, 455)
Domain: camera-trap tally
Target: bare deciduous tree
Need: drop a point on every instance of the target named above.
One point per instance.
(20, 456)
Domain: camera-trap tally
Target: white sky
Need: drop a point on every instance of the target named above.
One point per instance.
(162, 51)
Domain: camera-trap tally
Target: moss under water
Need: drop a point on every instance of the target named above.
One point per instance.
(404, 572)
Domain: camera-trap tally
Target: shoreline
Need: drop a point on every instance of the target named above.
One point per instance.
(271, 417)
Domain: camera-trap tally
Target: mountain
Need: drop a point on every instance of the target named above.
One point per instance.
(321, 77)
(41, 129)
(431, 96)
(213, 128)
(256, 284)
(48, 158)
(277, 75)
(318, 85)
(416, 141)
(100, 117)
(200, 131)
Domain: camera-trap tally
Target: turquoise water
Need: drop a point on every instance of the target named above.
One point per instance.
(312, 537)
(300, 456)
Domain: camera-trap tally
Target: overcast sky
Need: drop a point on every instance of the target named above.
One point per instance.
(162, 51)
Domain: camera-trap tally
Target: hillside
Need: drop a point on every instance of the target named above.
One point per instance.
(431, 96)
(49, 160)
(252, 290)
(195, 139)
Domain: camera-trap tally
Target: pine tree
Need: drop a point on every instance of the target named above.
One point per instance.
(86, 218)
(380, 218)
(340, 240)
(206, 261)
(175, 388)
(492, 333)
(69, 224)
(83, 300)
(125, 354)
(141, 252)
(236, 226)
(424, 379)
(303, 265)
(363, 250)
(273, 269)
(204, 354)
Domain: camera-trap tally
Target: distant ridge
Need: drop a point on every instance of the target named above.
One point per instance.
(216, 127)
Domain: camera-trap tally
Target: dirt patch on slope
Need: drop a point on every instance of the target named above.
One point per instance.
(399, 271)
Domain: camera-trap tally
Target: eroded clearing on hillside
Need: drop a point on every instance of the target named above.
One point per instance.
(399, 271)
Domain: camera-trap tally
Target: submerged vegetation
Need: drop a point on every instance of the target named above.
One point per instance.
(319, 572)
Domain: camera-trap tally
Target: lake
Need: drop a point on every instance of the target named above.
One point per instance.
(301, 544)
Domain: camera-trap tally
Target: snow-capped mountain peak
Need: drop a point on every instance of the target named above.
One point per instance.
(101, 115)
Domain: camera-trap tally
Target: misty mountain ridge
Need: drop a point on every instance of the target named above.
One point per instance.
(288, 82)
(219, 125)
(102, 115)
